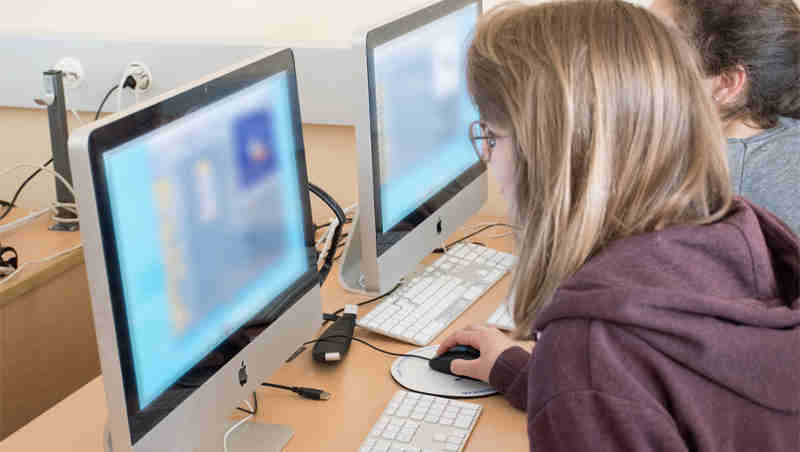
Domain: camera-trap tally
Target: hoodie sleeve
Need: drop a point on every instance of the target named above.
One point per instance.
(591, 420)
(509, 375)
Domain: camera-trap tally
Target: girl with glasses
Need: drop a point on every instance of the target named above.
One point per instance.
(666, 311)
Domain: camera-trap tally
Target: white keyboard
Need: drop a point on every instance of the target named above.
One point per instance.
(422, 423)
(501, 318)
(423, 307)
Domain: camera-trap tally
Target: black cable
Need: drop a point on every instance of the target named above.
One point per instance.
(337, 232)
(12, 262)
(308, 393)
(100, 108)
(336, 336)
(335, 315)
(440, 250)
(255, 406)
(325, 225)
(10, 205)
(342, 243)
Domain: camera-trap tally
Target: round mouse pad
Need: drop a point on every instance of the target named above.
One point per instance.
(415, 375)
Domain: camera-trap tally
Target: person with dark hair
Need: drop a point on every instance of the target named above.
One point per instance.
(750, 53)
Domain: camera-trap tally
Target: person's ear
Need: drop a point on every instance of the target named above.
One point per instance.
(729, 86)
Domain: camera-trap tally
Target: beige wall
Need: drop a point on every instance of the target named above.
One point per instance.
(26, 139)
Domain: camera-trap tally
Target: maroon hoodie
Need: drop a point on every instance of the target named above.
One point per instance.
(687, 339)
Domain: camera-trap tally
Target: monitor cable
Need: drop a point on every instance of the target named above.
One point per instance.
(254, 409)
(236, 425)
(335, 336)
(8, 265)
(335, 315)
(444, 247)
(100, 108)
(319, 394)
(11, 204)
(337, 231)
(308, 393)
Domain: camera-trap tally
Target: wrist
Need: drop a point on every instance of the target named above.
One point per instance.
(507, 366)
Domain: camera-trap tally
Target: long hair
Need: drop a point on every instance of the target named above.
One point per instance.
(614, 134)
(763, 37)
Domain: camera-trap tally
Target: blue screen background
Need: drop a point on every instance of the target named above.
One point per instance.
(423, 111)
(209, 227)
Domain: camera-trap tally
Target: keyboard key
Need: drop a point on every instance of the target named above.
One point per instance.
(405, 436)
(474, 292)
(463, 421)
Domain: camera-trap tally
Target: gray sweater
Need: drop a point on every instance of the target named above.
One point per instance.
(766, 170)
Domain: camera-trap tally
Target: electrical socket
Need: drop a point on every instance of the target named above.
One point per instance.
(141, 73)
(73, 72)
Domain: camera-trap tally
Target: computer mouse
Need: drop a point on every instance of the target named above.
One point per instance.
(442, 363)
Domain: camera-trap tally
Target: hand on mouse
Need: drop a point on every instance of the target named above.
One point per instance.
(489, 341)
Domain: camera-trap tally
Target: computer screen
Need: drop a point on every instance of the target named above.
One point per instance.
(204, 247)
(419, 177)
(422, 110)
(215, 254)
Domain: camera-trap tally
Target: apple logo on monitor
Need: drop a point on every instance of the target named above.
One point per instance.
(243, 374)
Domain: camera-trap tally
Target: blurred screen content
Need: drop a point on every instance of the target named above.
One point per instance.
(209, 227)
(423, 110)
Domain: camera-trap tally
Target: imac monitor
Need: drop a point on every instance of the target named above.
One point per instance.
(199, 250)
(419, 178)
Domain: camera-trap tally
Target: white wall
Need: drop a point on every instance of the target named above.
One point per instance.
(246, 20)
(239, 23)
(239, 20)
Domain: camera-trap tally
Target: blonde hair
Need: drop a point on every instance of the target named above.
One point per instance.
(613, 133)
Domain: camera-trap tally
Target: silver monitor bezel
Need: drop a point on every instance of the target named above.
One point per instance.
(199, 420)
(368, 267)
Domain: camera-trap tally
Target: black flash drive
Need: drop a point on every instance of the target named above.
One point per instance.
(333, 350)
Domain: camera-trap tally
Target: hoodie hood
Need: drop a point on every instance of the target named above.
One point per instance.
(724, 303)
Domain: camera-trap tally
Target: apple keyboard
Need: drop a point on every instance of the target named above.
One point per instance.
(501, 318)
(427, 304)
(413, 422)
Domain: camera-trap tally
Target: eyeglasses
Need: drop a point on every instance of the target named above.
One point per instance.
(483, 140)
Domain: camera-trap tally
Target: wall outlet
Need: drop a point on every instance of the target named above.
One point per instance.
(141, 73)
(73, 72)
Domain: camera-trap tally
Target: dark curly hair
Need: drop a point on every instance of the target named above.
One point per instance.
(763, 36)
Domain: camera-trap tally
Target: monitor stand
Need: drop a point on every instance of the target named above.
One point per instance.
(248, 437)
(350, 272)
(256, 437)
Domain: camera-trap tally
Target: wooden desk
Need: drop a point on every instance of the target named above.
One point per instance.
(361, 388)
(47, 341)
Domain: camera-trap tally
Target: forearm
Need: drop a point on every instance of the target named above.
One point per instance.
(510, 376)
